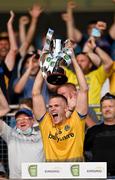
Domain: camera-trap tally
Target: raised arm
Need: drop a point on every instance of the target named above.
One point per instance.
(105, 58)
(20, 84)
(94, 58)
(88, 49)
(39, 106)
(72, 33)
(82, 97)
(69, 20)
(11, 56)
(35, 13)
(112, 28)
(4, 107)
(23, 21)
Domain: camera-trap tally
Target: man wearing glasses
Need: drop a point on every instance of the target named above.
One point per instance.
(99, 145)
(24, 143)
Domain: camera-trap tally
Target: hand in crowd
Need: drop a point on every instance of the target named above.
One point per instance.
(24, 20)
(36, 11)
(101, 25)
(65, 17)
(90, 45)
(30, 64)
(71, 5)
(11, 19)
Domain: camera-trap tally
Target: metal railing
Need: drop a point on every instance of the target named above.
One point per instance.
(15, 107)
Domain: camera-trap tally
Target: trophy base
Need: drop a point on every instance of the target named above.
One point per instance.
(57, 79)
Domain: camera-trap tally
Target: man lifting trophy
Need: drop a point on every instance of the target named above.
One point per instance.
(53, 57)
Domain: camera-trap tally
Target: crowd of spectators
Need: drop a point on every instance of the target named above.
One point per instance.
(57, 122)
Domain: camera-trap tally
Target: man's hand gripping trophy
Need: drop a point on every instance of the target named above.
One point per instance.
(53, 57)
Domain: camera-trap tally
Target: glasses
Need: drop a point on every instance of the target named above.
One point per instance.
(24, 118)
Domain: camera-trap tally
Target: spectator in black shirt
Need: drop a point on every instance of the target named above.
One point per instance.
(99, 145)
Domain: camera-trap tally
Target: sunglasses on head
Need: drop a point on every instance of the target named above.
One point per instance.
(107, 96)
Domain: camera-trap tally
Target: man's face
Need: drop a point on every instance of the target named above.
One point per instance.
(35, 66)
(23, 122)
(108, 110)
(65, 91)
(89, 28)
(84, 63)
(4, 48)
(57, 108)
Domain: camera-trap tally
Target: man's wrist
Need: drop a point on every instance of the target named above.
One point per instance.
(94, 49)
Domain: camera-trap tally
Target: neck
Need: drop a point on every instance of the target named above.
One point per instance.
(109, 121)
(58, 123)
